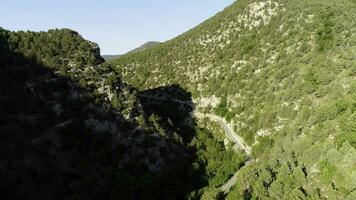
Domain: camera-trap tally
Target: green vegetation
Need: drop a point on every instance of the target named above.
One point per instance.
(218, 162)
(222, 109)
(325, 32)
(283, 74)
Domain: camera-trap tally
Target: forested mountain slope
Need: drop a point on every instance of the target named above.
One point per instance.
(283, 73)
(71, 129)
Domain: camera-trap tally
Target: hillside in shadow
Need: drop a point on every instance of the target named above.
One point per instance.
(174, 106)
(59, 141)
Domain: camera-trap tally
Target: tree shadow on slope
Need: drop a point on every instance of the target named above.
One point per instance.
(170, 108)
(58, 142)
(173, 106)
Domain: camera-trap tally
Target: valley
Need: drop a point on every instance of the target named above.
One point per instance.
(238, 142)
(257, 102)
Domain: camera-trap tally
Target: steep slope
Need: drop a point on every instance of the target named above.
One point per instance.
(71, 129)
(283, 73)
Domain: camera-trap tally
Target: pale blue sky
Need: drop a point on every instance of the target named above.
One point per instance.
(117, 26)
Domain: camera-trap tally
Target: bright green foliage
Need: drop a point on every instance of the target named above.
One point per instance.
(222, 109)
(325, 32)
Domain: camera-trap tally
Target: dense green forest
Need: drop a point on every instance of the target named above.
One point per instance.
(71, 129)
(283, 73)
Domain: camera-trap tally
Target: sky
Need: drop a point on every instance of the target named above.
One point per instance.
(116, 25)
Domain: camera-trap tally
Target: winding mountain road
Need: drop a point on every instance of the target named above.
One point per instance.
(239, 142)
(232, 181)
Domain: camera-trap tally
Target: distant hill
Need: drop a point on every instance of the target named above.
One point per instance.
(145, 46)
(109, 57)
